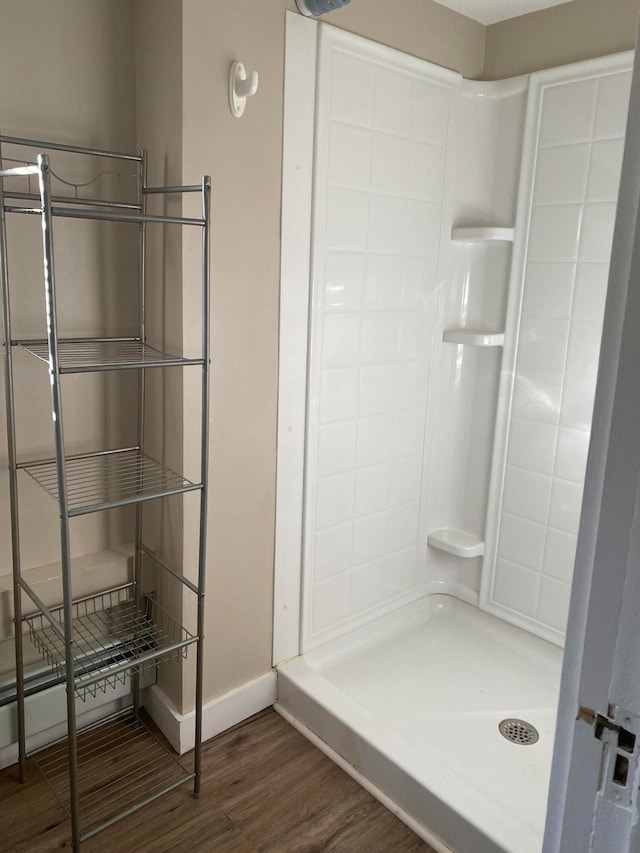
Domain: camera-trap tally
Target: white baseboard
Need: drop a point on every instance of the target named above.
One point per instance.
(217, 716)
(45, 714)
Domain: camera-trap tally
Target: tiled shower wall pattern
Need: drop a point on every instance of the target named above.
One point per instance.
(579, 156)
(379, 183)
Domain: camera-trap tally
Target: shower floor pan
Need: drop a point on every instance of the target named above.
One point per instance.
(414, 700)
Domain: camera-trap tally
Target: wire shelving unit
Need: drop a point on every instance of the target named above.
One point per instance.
(116, 635)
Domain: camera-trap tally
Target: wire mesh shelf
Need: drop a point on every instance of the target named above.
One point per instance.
(115, 636)
(102, 481)
(92, 355)
(122, 766)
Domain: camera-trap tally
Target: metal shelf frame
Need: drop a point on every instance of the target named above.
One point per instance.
(117, 634)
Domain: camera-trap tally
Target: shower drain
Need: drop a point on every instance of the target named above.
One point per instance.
(519, 731)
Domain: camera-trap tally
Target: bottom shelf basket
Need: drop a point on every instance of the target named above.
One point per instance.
(122, 766)
(115, 636)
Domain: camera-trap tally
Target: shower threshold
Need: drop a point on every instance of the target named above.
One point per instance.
(413, 702)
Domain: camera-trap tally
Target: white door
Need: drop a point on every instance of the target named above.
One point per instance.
(593, 801)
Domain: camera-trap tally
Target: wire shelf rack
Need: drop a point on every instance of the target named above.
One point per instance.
(94, 354)
(115, 636)
(103, 481)
(119, 635)
(122, 766)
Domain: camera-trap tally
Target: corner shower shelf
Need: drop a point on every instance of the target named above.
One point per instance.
(473, 337)
(122, 766)
(482, 234)
(460, 543)
(115, 636)
(101, 481)
(87, 355)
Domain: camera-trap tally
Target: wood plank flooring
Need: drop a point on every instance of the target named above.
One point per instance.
(266, 789)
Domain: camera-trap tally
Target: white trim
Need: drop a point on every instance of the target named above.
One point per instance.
(510, 347)
(166, 716)
(596, 67)
(415, 826)
(494, 90)
(373, 50)
(297, 166)
(217, 716)
(314, 321)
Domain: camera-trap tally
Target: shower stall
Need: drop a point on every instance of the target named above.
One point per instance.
(446, 249)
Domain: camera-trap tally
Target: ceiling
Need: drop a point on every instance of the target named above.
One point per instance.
(492, 11)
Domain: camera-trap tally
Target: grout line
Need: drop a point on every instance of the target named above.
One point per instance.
(551, 476)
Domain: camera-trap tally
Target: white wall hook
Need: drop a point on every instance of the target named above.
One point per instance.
(241, 87)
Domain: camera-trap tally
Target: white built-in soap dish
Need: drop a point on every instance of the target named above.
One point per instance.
(473, 337)
(482, 234)
(456, 542)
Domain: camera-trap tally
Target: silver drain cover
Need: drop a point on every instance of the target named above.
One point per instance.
(519, 731)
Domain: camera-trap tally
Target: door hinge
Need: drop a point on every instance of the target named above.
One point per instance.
(618, 732)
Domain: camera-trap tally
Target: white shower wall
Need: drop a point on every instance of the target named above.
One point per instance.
(486, 154)
(576, 128)
(416, 427)
(383, 122)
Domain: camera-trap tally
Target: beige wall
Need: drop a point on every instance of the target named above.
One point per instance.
(66, 74)
(158, 84)
(568, 33)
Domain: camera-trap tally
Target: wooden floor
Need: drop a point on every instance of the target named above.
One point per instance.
(265, 788)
